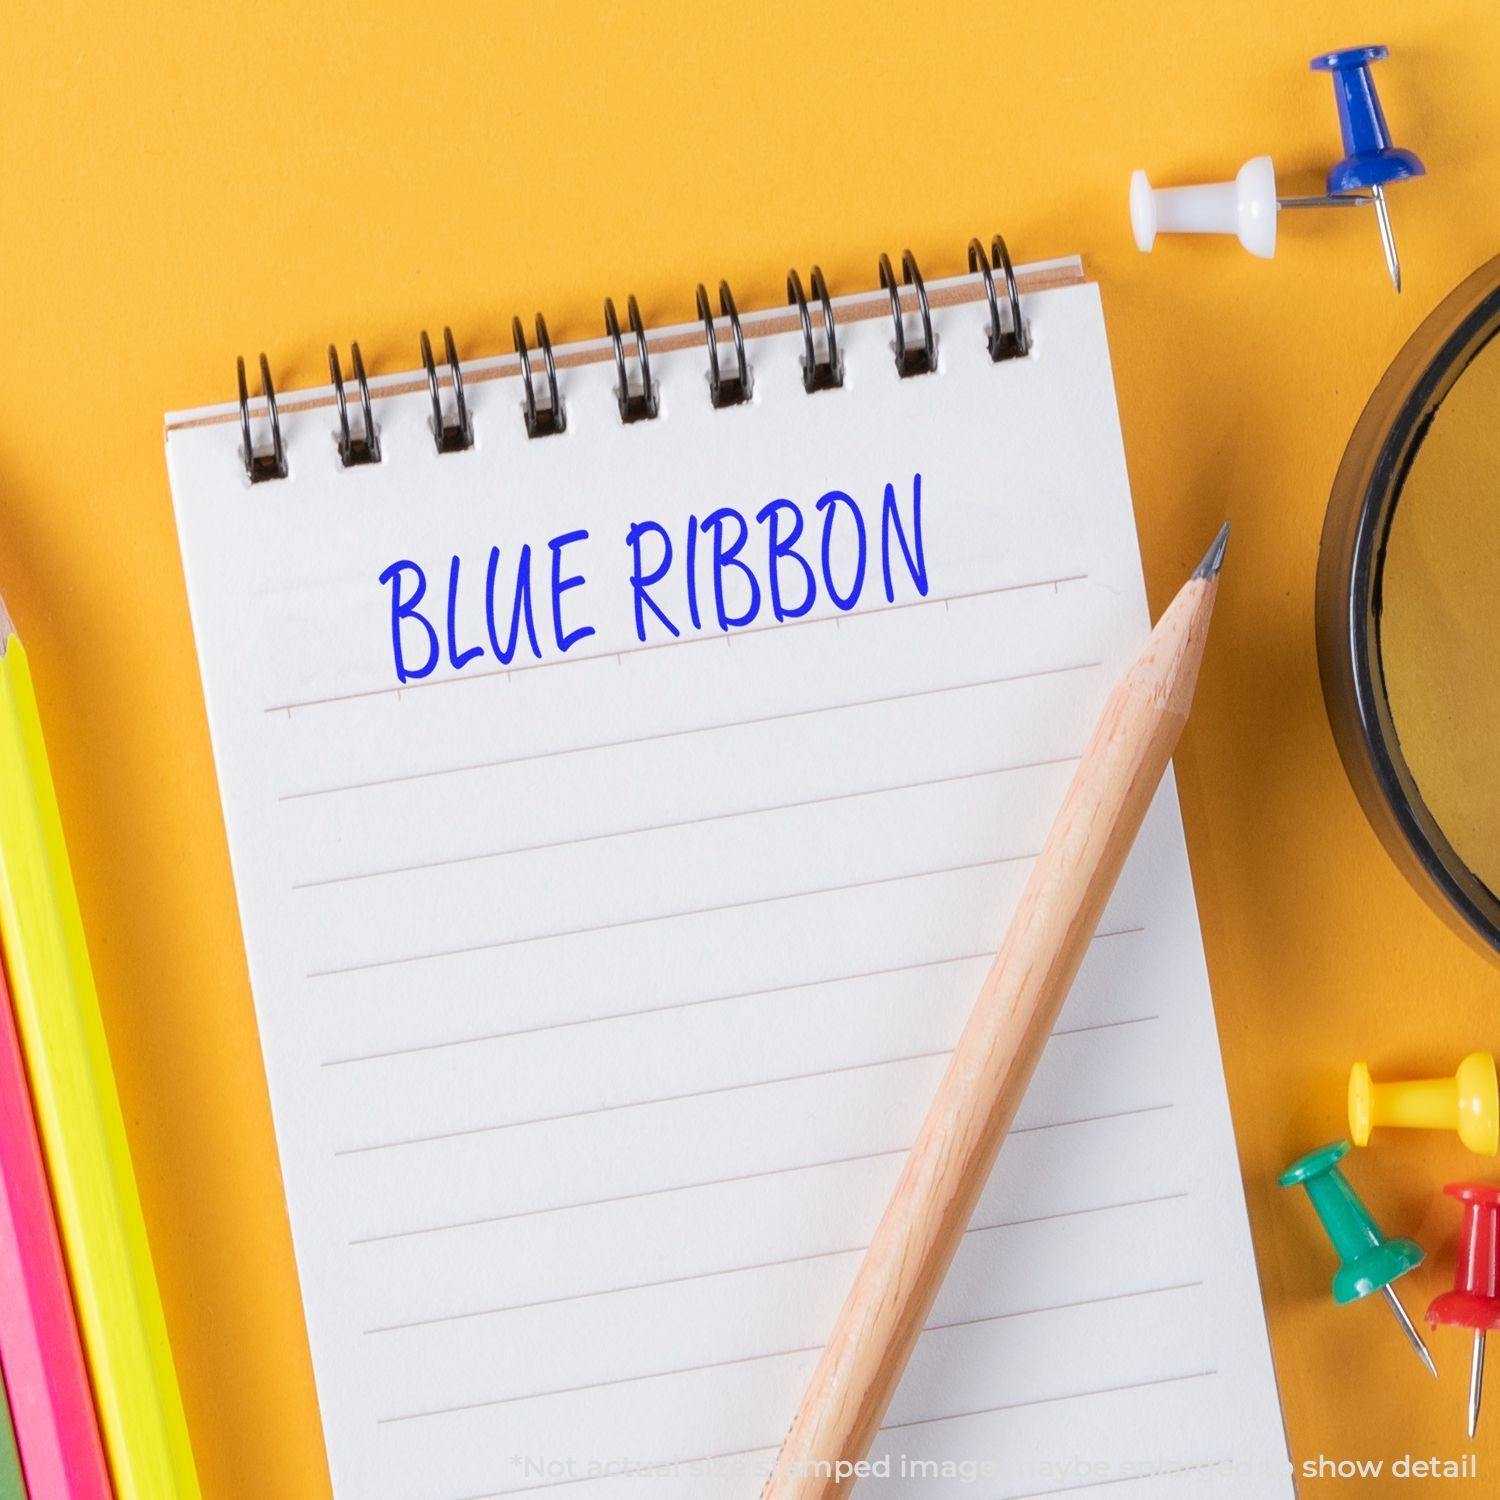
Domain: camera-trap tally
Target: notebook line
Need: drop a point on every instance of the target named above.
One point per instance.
(748, 1359)
(691, 729)
(678, 823)
(657, 1192)
(656, 1010)
(771, 1448)
(765, 1172)
(609, 1109)
(764, 1265)
(687, 640)
(1109, 1390)
(667, 916)
(707, 1093)
(1105, 1025)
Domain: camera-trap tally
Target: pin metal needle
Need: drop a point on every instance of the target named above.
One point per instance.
(1407, 1327)
(1474, 1302)
(1327, 200)
(1387, 239)
(1476, 1381)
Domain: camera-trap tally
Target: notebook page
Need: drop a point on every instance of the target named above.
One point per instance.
(601, 993)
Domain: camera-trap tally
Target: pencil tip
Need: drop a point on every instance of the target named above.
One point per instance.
(1213, 559)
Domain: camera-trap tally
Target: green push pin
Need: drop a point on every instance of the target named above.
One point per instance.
(1369, 1261)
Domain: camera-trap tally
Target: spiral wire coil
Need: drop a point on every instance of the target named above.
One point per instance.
(455, 436)
(729, 374)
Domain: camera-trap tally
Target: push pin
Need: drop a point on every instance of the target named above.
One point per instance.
(1474, 1302)
(1369, 1262)
(1370, 160)
(1245, 208)
(1248, 207)
(1469, 1103)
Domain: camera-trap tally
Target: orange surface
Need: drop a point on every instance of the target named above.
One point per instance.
(183, 183)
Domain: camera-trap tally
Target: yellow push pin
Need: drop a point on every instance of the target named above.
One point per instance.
(1469, 1103)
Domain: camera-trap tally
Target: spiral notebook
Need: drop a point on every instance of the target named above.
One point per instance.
(629, 767)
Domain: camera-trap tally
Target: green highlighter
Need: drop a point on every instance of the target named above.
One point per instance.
(12, 1485)
(1369, 1262)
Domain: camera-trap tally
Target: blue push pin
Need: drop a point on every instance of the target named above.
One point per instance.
(1370, 160)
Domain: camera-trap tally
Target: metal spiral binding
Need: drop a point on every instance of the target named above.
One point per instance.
(1005, 343)
(826, 374)
(724, 390)
(541, 421)
(259, 466)
(635, 406)
(364, 449)
(918, 359)
(822, 363)
(458, 435)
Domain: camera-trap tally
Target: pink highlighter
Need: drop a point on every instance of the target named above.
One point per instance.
(46, 1378)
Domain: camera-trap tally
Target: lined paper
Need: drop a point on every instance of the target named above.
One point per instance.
(601, 993)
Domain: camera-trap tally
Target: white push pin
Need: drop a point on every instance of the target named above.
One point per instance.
(1245, 208)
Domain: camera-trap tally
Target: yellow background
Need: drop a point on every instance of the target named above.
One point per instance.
(184, 183)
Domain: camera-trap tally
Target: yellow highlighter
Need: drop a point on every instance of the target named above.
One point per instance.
(78, 1115)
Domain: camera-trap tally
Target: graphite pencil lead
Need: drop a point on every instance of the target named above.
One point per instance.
(1213, 559)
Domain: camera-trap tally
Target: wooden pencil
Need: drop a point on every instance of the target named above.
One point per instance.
(1016, 1010)
(78, 1115)
(46, 1380)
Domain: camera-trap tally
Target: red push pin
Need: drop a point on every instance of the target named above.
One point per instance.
(1474, 1301)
